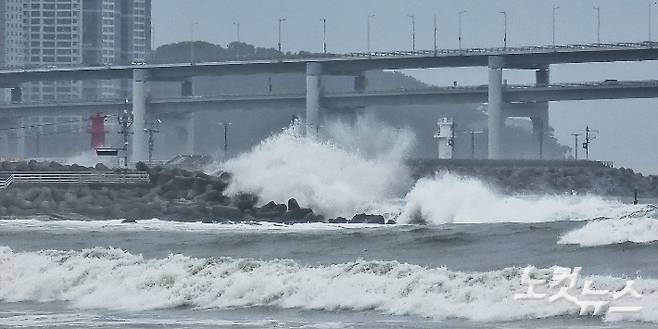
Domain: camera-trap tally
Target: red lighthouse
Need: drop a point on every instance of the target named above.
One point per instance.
(97, 131)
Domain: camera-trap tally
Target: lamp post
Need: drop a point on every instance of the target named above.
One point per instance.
(125, 120)
(368, 32)
(436, 32)
(281, 20)
(192, 54)
(651, 5)
(461, 14)
(555, 8)
(192, 25)
(413, 31)
(505, 33)
(324, 35)
(576, 146)
(598, 24)
(151, 142)
(237, 30)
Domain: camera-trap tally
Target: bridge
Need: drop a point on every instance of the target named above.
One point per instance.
(503, 100)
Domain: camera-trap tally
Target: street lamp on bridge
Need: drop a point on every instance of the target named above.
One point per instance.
(192, 25)
(651, 5)
(555, 8)
(324, 35)
(461, 13)
(370, 17)
(237, 28)
(413, 31)
(281, 20)
(505, 30)
(598, 24)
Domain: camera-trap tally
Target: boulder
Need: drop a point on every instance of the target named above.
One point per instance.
(292, 204)
(339, 220)
(368, 219)
(101, 167)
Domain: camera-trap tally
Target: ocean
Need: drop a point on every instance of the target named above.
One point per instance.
(461, 254)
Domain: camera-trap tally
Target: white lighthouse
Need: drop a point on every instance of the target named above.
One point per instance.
(446, 137)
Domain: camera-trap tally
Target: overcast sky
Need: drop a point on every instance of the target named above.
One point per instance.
(629, 131)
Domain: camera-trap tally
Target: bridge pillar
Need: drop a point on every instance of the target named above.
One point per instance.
(540, 116)
(495, 106)
(139, 147)
(313, 98)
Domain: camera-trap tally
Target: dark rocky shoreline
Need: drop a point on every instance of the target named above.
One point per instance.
(177, 194)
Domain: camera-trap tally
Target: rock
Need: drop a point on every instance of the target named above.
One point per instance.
(101, 167)
(129, 221)
(292, 204)
(368, 219)
(391, 222)
(339, 220)
(224, 212)
(141, 166)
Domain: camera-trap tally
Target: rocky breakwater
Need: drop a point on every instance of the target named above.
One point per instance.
(172, 194)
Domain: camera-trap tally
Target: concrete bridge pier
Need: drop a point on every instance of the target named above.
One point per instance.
(140, 85)
(495, 106)
(540, 115)
(313, 98)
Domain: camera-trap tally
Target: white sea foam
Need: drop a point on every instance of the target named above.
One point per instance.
(355, 166)
(613, 231)
(448, 198)
(117, 280)
(43, 224)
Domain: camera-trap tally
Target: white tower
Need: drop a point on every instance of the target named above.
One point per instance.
(446, 137)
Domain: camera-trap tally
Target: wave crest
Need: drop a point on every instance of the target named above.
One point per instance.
(115, 279)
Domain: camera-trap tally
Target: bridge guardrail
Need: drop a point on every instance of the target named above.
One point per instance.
(84, 177)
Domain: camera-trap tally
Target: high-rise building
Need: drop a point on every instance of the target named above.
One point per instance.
(55, 33)
(59, 33)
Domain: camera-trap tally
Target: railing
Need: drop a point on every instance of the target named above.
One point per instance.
(83, 177)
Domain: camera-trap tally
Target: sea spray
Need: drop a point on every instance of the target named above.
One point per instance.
(102, 278)
(447, 198)
(353, 167)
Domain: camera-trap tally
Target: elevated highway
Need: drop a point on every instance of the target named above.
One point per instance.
(530, 101)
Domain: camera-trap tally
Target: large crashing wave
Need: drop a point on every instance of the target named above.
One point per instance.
(117, 280)
(447, 198)
(360, 168)
(356, 166)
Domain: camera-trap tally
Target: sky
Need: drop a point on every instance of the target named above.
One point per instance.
(628, 128)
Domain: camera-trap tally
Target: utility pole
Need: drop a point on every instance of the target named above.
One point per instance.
(225, 124)
(151, 143)
(576, 146)
(368, 32)
(461, 13)
(505, 34)
(281, 20)
(598, 24)
(436, 32)
(590, 135)
(324, 35)
(126, 121)
(413, 31)
(555, 8)
(473, 134)
(237, 27)
(192, 59)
